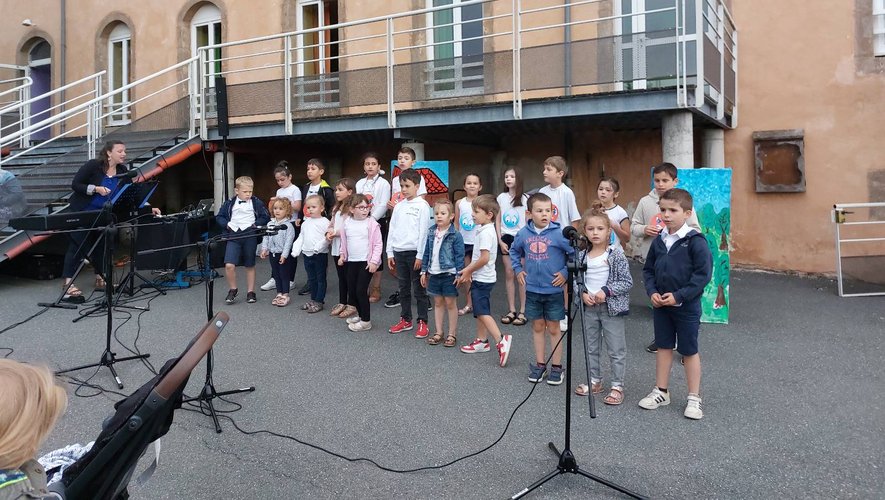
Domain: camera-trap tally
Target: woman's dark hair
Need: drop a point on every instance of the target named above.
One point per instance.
(103, 154)
(518, 189)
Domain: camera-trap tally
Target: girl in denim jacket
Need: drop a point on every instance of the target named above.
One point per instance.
(443, 260)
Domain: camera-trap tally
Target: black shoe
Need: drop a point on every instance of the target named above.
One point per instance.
(651, 347)
(251, 298)
(304, 290)
(231, 296)
(392, 301)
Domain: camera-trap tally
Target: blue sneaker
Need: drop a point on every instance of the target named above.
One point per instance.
(555, 375)
(536, 373)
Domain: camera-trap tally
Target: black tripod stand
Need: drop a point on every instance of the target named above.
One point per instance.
(108, 357)
(127, 284)
(208, 393)
(567, 462)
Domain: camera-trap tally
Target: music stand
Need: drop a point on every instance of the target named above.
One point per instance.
(105, 470)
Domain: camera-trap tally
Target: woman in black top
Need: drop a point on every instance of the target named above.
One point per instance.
(93, 185)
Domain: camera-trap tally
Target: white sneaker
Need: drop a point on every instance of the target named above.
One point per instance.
(693, 409)
(270, 285)
(655, 399)
(563, 325)
(360, 326)
(504, 349)
(353, 319)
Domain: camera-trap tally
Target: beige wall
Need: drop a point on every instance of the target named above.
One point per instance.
(798, 71)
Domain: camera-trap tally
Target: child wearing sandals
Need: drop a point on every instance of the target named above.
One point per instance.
(443, 260)
(278, 247)
(513, 202)
(465, 225)
(361, 254)
(605, 294)
(312, 243)
(344, 189)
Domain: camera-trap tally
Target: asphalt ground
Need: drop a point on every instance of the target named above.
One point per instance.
(792, 392)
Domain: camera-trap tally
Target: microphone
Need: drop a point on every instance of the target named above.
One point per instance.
(571, 234)
(128, 174)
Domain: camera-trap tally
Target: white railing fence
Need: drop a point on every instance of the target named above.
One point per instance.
(865, 244)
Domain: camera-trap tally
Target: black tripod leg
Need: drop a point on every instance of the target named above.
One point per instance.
(610, 484)
(537, 484)
(114, 373)
(235, 391)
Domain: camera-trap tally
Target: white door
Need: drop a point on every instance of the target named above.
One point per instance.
(119, 52)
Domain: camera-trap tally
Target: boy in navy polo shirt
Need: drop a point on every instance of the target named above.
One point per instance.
(239, 216)
(678, 267)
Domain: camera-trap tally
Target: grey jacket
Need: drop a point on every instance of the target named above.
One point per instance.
(617, 288)
(280, 243)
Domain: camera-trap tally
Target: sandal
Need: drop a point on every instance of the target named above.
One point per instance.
(337, 309)
(100, 282)
(375, 294)
(615, 397)
(465, 310)
(451, 340)
(508, 318)
(435, 339)
(347, 312)
(519, 320)
(72, 290)
(314, 307)
(585, 390)
(283, 301)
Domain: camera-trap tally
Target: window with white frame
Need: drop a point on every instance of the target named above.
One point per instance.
(317, 53)
(879, 28)
(205, 31)
(456, 45)
(119, 53)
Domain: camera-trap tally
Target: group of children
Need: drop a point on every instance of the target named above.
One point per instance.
(434, 251)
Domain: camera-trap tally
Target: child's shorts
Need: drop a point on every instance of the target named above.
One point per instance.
(480, 294)
(468, 251)
(546, 306)
(678, 326)
(441, 285)
(241, 251)
(508, 239)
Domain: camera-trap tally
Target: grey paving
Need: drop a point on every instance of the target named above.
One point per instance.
(792, 399)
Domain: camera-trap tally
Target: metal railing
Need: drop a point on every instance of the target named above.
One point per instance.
(55, 116)
(19, 91)
(479, 52)
(875, 219)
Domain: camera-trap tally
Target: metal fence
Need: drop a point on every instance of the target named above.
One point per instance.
(860, 248)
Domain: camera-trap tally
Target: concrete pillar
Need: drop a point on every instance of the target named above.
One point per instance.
(713, 148)
(677, 139)
(218, 178)
(418, 147)
(496, 172)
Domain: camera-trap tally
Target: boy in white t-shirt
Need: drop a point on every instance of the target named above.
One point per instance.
(565, 208)
(481, 272)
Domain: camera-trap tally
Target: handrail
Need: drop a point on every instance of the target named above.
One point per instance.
(839, 217)
(28, 81)
(59, 89)
(98, 100)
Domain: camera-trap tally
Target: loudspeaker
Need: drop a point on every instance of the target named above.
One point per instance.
(221, 106)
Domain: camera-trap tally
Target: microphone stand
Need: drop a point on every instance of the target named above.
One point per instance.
(108, 357)
(567, 462)
(208, 393)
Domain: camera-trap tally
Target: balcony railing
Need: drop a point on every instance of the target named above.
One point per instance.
(481, 52)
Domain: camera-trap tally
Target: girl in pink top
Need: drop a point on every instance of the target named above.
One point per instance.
(361, 255)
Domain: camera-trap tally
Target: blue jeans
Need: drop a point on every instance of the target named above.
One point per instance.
(316, 265)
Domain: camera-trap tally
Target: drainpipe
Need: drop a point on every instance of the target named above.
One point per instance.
(64, 51)
(567, 39)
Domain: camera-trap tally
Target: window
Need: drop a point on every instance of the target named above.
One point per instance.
(205, 31)
(457, 47)
(645, 42)
(879, 28)
(119, 52)
(317, 54)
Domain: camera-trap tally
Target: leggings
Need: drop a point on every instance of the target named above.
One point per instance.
(358, 278)
(342, 281)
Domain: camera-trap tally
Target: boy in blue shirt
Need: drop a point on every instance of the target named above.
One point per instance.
(678, 267)
(238, 217)
(546, 252)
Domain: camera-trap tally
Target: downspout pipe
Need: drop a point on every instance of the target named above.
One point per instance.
(64, 53)
(567, 41)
